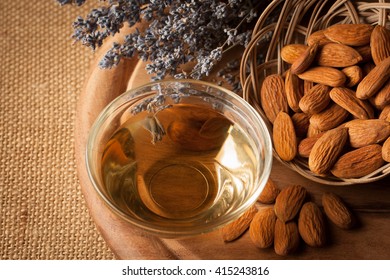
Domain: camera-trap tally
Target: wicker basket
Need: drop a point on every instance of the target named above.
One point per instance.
(296, 19)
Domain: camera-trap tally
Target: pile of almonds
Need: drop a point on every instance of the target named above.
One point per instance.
(332, 106)
(292, 218)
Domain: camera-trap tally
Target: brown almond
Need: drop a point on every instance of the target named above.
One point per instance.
(273, 96)
(326, 150)
(290, 53)
(318, 37)
(346, 98)
(365, 52)
(349, 34)
(284, 138)
(303, 62)
(324, 75)
(286, 240)
(269, 193)
(306, 145)
(354, 75)
(359, 162)
(380, 44)
(382, 98)
(294, 91)
(236, 228)
(301, 124)
(289, 202)
(386, 150)
(374, 80)
(366, 132)
(311, 225)
(307, 86)
(262, 228)
(336, 210)
(312, 131)
(316, 100)
(329, 118)
(337, 55)
(385, 113)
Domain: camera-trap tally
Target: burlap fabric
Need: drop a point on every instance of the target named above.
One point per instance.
(43, 214)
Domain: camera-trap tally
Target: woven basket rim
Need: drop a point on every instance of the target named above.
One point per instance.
(288, 26)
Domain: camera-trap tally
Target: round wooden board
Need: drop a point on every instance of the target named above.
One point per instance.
(370, 202)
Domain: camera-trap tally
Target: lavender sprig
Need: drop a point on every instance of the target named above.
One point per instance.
(178, 32)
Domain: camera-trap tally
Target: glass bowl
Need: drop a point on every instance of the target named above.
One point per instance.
(179, 158)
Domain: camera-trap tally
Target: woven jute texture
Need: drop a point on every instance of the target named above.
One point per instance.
(42, 211)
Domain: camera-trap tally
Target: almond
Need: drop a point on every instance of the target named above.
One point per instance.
(294, 91)
(349, 34)
(354, 75)
(236, 228)
(365, 52)
(307, 86)
(301, 124)
(346, 98)
(290, 53)
(304, 61)
(359, 162)
(324, 75)
(336, 210)
(374, 80)
(329, 118)
(327, 149)
(318, 37)
(382, 98)
(385, 113)
(316, 100)
(312, 131)
(306, 145)
(337, 55)
(386, 150)
(289, 202)
(284, 138)
(269, 193)
(286, 240)
(273, 96)
(262, 228)
(366, 132)
(311, 225)
(380, 44)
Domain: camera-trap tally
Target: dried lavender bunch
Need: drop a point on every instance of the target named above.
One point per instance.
(178, 32)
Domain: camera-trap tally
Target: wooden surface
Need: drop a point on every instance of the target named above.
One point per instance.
(370, 202)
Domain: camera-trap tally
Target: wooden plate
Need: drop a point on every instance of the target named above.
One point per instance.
(371, 203)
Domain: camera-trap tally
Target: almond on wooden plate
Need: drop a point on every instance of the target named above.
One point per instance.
(329, 118)
(354, 75)
(269, 193)
(289, 202)
(311, 225)
(262, 228)
(336, 210)
(359, 162)
(286, 240)
(305, 59)
(306, 145)
(236, 228)
(294, 91)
